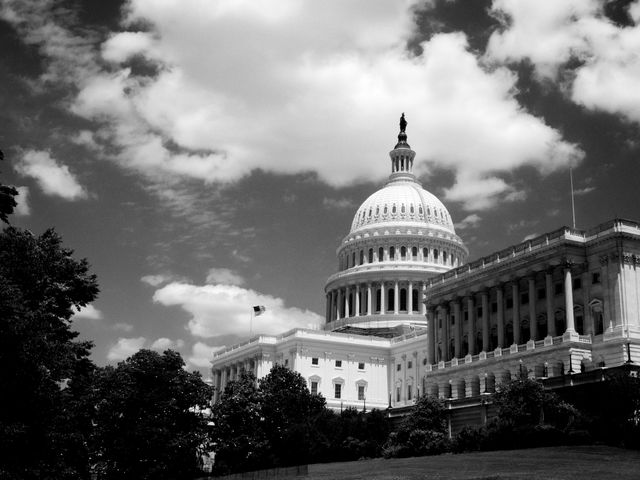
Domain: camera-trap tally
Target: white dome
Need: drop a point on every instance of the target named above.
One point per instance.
(402, 202)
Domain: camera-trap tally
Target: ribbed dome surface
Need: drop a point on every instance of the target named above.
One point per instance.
(402, 203)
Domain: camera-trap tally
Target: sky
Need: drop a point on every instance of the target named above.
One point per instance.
(206, 156)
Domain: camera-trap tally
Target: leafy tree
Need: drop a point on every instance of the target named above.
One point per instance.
(237, 436)
(147, 417)
(43, 366)
(289, 410)
(422, 432)
(7, 200)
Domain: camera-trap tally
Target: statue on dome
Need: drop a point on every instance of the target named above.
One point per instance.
(403, 123)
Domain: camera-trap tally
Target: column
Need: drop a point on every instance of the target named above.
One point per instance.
(423, 307)
(551, 319)
(369, 299)
(338, 303)
(446, 325)
(356, 310)
(327, 308)
(346, 302)
(410, 299)
(516, 312)
(471, 331)
(383, 299)
(431, 336)
(485, 321)
(456, 330)
(587, 318)
(568, 299)
(396, 297)
(500, 319)
(533, 321)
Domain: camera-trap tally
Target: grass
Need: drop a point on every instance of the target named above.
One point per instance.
(557, 463)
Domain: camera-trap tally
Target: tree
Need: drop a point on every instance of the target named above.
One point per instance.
(237, 436)
(7, 198)
(289, 410)
(41, 284)
(148, 418)
(422, 432)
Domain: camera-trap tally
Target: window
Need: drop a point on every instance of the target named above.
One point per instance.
(398, 367)
(509, 302)
(414, 253)
(338, 363)
(380, 254)
(397, 393)
(435, 254)
(524, 298)
(361, 257)
(444, 257)
(558, 288)
(314, 361)
(494, 307)
(314, 388)
(409, 392)
(392, 253)
(337, 390)
(577, 283)
(360, 365)
(542, 293)
(371, 255)
(360, 392)
(595, 277)
(425, 254)
(466, 315)
(403, 253)
(424, 361)
(409, 364)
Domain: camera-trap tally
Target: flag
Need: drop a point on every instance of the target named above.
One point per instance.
(258, 310)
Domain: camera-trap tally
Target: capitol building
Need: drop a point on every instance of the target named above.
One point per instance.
(407, 315)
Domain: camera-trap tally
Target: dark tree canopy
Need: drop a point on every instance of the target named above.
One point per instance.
(148, 421)
(40, 286)
(7, 198)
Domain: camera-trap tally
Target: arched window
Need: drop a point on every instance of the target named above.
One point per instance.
(561, 322)
(414, 253)
(378, 300)
(392, 253)
(353, 259)
(378, 210)
(385, 209)
(361, 257)
(370, 212)
(403, 253)
(598, 317)
(346, 263)
(435, 254)
(371, 255)
(444, 257)
(390, 300)
(542, 325)
(402, 208)
(403, 299)
(381, 254)
(415, 300)
(425, 254)
(578, 319)
(420, 209)
(393, 209)
(411, 209)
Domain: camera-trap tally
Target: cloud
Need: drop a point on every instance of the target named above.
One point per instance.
(338, 203)
(22, 200)
(337, 87)
(583, 191)
(125, 327)
(164, 343)
(224, 276)
(226, 309)
(470, 221)
(89, 312)
(550, 34)
(202, 354)
(52, 177)
(125, 347)
(155, 280)
(530, 237)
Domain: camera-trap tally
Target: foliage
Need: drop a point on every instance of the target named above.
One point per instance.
(147, 417)
(7, 200)
(422, 432)
(45, 370)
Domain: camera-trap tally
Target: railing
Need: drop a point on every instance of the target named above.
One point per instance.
(500, 352)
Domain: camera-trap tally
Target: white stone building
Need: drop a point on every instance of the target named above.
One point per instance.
(407, 316)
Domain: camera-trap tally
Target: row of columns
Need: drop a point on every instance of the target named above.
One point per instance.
(222, 376)
(338, 299)
(350, 259)
(455, 307)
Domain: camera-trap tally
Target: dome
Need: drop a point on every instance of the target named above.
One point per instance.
(402, 203)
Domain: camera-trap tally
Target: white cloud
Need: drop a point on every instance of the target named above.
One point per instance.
(202, 354)
(125, 347)
(89, 312)
(470, 221)
(337, 87)
(52, 177)
(226, 309)
(583, 191)
(224, 276)
(22, 200)
(155, 280)
(550, 33)
(338, 203)
(164, 343)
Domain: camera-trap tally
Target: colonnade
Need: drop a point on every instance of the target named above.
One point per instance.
(484, 331)
(222, 376)
(353, 257)
(375, 298)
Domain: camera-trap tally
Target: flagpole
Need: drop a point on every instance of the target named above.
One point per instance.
(573, 207)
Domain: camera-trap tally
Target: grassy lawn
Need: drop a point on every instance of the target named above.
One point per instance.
(579, 463)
